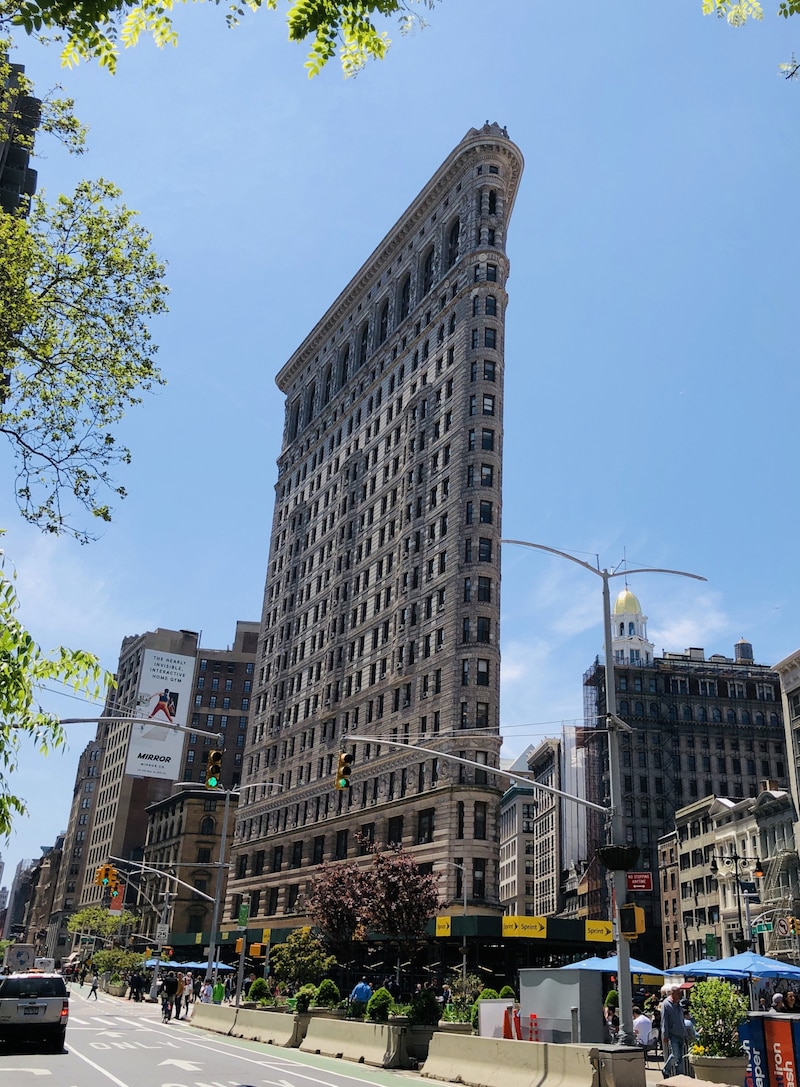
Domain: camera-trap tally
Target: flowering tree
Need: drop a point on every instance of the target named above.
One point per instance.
(337, 898)
(402, 899)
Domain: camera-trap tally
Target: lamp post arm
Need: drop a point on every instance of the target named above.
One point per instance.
(518, 775)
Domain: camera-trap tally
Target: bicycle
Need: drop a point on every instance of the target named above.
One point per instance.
(166, 1009)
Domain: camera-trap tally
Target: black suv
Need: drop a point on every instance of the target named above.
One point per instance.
(34, 1007)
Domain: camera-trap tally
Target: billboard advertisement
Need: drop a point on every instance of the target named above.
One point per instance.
(163, 699)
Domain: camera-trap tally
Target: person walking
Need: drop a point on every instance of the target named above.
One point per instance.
(94, 986)
(673, 1034)
(359, 998)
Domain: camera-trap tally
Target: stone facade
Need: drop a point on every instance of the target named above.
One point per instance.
(382, 601)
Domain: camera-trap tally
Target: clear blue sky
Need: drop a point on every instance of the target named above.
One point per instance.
(651, 371)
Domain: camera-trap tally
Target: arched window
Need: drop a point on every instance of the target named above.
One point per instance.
(716, 716)
(638, 709)
(622, 630)
(344, 365)
(363, 345)
(702, 715)
(773, 718)
(452, 243)
(631, 629)
(730, 716)
(327, 384)
(308, 412)
(759, 718)
(623, 708)
(687, 713)
(294, 419)
(383, 322)
(673, 713)
(745, 717)
(654, 709)
(405, 299)
(207, 827)
(427, 272)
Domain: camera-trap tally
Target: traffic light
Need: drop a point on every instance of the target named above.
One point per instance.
(115, 889)
(631, 920)
(214, 769)
(794, 926)
(101, 875)
(343, 770)
(167, 952)
(240, 945)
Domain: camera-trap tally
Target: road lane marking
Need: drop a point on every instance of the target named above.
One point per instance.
(98, 1068)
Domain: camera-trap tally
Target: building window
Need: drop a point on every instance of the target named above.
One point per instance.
(484, 630)
(484, 590)
(490, 337)
(487, 475)
(425, 821)
(277, 858)
(487, 439)
(488, 404)
(318, 853)
(483, 673)
(485, 513)
(341, 845)
(484, 549)
(479, 827)
(479, 878)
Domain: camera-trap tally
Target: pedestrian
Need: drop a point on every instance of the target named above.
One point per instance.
(206, 990)
(790, 1001)
(83, 974)
(777, 1002)
(178, 997)
(642, 1026)
(673, 1034)
(168, 991)
(197, 986)
(95, 984)
(218, 991)
(359, 998)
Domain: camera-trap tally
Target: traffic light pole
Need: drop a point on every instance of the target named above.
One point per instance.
(212, 943)
(164, 921)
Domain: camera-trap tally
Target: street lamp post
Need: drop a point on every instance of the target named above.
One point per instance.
(614, 724)
(733, 861)
(463, 871)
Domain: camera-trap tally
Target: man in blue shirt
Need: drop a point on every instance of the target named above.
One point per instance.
(360, 996)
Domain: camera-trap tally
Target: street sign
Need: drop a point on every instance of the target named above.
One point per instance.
(602, 931)
(535, 927)
(162, 933)
(639, 881)
(762, 926)
(783, 926)
(444, 926)
(244, 913)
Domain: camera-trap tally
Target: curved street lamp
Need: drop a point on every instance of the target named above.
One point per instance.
(616, 822)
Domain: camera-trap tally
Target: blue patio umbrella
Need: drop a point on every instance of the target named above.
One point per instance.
(745, 965)
(610, 965)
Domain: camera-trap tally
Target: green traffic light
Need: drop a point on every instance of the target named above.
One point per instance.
(342, 783)
(213, 782)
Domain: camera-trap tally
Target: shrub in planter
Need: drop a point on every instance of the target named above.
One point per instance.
(484, 994)
(258, 990)
(507, 993)
(425, 1010)
(379, 1005)
(612, 999)
(717, 1009)
(328, 995)
(306, 996)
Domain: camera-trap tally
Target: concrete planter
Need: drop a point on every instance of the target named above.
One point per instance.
(448, 1027)
(719, 1069)
(323, 1012)
(120, 989)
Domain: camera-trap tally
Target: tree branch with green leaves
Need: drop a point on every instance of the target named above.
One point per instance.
(24, 669)
(95, 29)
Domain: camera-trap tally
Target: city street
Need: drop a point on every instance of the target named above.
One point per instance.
(121, 1043)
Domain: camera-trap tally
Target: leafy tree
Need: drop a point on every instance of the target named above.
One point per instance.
(79, 283)
(336, 900)
(97, 921)
(24, 668)
(95, 28)
(116, 961)
(301, 958)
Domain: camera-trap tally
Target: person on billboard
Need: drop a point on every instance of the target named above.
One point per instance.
(164, 705)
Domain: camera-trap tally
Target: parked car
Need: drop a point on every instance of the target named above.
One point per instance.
(34, 1007)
